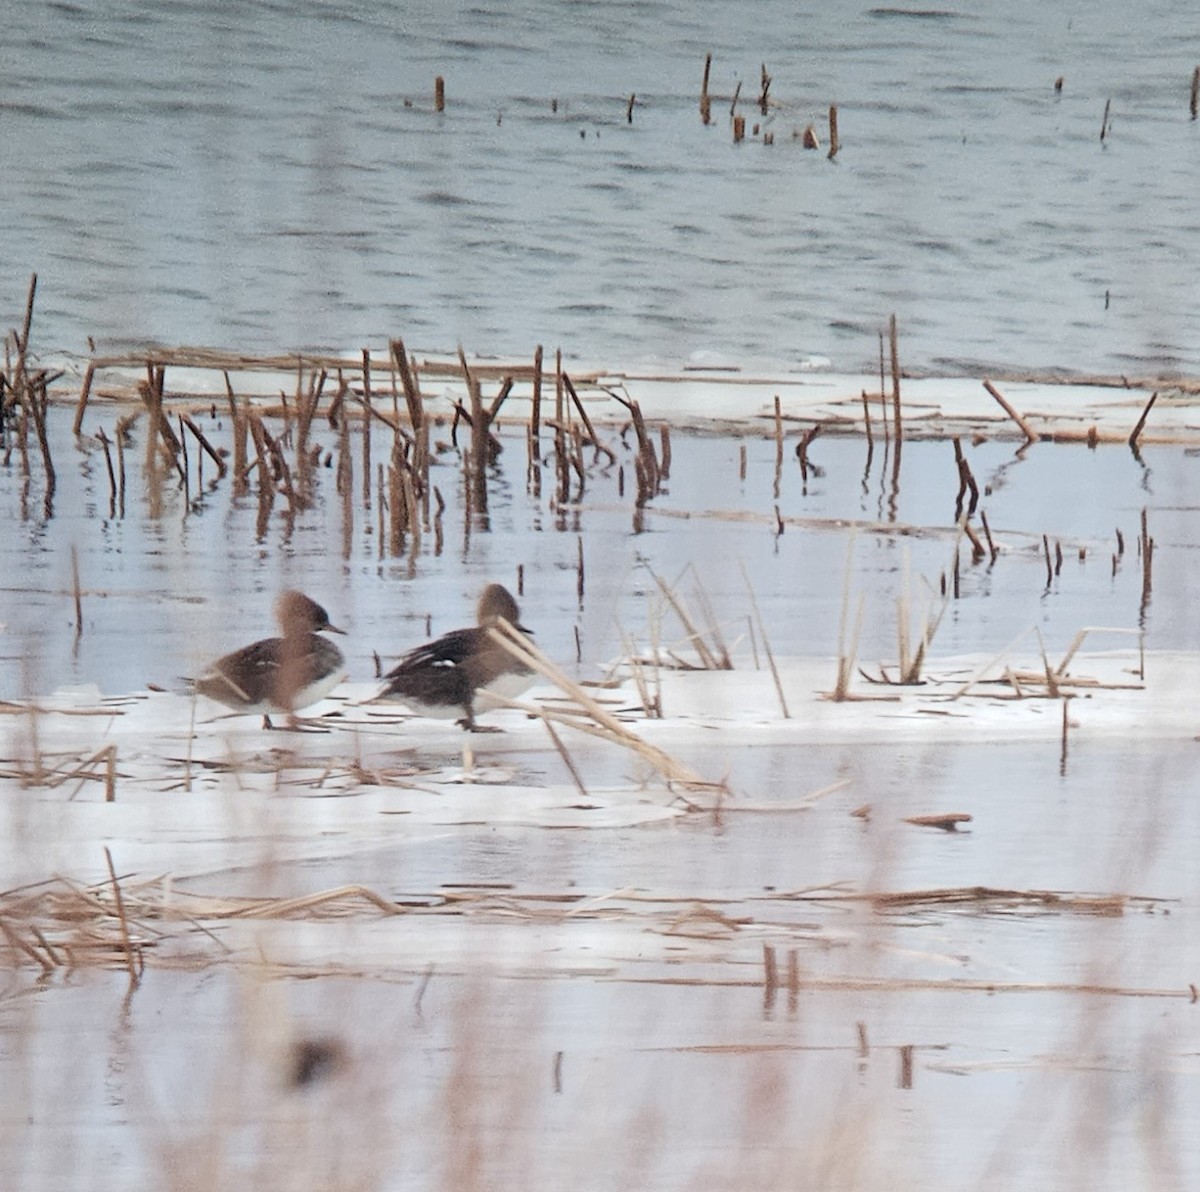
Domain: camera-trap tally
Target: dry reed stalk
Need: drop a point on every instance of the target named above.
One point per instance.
(439, 94)
(694, 635)
(19, 945)
(119, 439)
(85, 391)
(765, 87)
(894, 342)
(569, 385)
(125, 940)
(78, 596)
(1194, 100)
(414, 518)
(1141, 422)
(742, 461)
(480, 448)
(834, 143)
(397, 510)
(770, 974)
(506, 386)
(867, 422)
(906, 1066)
(568, 761)
(112, 476)
(1066, 725)
(651, 707)
(1049, 564)
(966, 483)
(1104, 122)
(1052, 685)
(705, 102)
(762, 629)
(1146, 549)
(978, 554)
(802, 452)
(739, 127)
(535, 410)
(629, 109)
(778, 445)
(408, 379)
(992, 547)
(606, 726)
(205, 445)
(1026, 429)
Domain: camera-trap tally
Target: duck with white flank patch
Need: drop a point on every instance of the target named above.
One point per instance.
(445, 678)
(280, 674)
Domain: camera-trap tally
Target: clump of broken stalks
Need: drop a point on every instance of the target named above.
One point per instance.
(589, 716)
(912, 648)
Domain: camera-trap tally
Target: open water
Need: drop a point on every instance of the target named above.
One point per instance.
(271, 176)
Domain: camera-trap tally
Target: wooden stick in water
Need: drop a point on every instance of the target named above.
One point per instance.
(84, 393)
(125, 940)
(1026, 429)
(1141, 422)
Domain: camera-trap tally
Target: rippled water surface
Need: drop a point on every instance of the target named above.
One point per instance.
(264, 176)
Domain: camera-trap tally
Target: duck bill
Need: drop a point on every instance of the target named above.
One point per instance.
(334, 629)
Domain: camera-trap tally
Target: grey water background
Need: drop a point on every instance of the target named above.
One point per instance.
(271, 176)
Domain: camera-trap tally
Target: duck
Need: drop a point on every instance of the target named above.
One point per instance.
(280, 674)
(464, 671)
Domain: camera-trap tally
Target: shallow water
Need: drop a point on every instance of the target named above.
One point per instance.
(261, 178)
(175, 582)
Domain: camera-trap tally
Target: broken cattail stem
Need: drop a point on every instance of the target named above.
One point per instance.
(501, 397)
(1049, 563)
(766, 86)
(1146, 543)
(1141, 422)
(977, 551)
(762, 629)
(802, 450)
(834, 143)
(408, 379)
(84, 393)
(867, 420)
(207, 447)
(583, 415)
(895, 349)
(76, 593)
(120, 903)
(992, 547)
(579, 571)
(535, 415)
(566, 757)
(439, 94)
(1104, 121)
(110, 774)
(739, 129)
(742, 461)
(883, 410)
(112, 476)
(664, 438)
(1058, 558)
(705, 102)
(770, 972)
(629, 109)
(1194, 104)
(1006, 406)
(778, 444)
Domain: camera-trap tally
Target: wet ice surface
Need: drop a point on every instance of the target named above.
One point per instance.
(577, 985)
